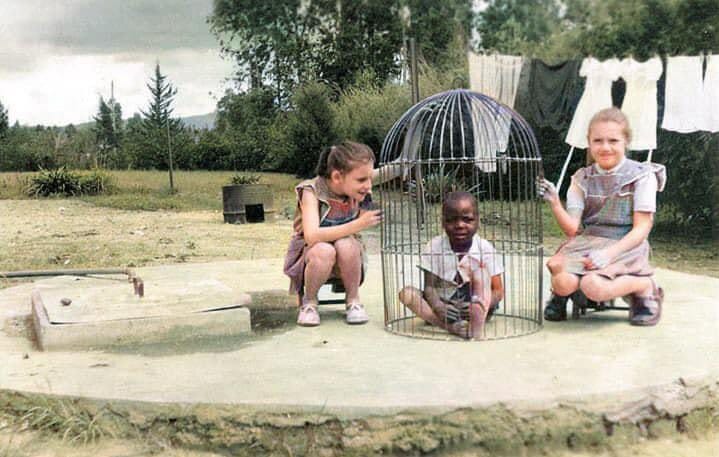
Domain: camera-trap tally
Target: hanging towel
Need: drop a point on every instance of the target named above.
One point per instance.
(491, 125)
(548, 94)
(597, 96)
(640, 100)
(495, 75)
(684, 105)
(711, 95)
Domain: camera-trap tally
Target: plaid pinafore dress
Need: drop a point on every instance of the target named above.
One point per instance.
(608, 217)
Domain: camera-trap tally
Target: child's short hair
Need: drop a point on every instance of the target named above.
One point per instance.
(452, 198)
(343, 157)
(612, 114)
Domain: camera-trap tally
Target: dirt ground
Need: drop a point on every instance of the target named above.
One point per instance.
(65, 233)
(57, 234)
(33, 444)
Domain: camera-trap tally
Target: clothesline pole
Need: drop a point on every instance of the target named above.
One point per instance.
(564, 169)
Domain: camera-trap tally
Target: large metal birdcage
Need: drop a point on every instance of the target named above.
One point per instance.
(463, 141)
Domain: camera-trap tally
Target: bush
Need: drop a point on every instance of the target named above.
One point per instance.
(95, 182)
(64, 182)
(239, 179)
(365, 112)
(60, 181)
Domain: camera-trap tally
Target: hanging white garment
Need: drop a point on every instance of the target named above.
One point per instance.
(640, 100)
(597, 95)
(711, 95)
(683, 103)
(491, 125)
(496, 76)
(413, 139)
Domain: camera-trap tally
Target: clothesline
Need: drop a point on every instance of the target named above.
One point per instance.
(550, 93)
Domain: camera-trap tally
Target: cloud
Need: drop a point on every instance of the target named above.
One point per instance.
(58, 57)
(106, 27)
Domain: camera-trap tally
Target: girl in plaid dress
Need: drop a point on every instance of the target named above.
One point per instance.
(609, 214)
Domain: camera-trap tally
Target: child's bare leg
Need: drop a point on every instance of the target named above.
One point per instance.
(599, 288)
(481, 289)
(319, 261)
(477, 318)
(349, 262)
(412, 298)
(563, 282)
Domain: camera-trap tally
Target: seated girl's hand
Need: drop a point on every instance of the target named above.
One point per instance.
(596, 260)
(547, 190)
(369, 218)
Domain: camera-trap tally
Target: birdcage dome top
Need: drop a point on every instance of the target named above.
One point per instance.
(459, 125)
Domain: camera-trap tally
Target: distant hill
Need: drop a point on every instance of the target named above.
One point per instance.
(200, 121)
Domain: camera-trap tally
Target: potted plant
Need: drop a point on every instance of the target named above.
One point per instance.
(246, 199)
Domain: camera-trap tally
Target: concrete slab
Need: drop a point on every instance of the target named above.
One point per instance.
(72, 312)
(350, 370)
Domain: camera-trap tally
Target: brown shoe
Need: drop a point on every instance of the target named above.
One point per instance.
(646, 311)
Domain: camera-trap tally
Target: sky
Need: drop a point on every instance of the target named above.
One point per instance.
(57, 57)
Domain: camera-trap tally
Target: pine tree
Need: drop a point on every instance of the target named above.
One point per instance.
(108, 130)
(158, 126)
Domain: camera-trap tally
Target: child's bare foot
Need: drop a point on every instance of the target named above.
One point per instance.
(459, 328)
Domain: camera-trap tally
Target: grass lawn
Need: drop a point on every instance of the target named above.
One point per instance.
(142, 223)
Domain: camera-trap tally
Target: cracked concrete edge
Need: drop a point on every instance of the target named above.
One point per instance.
(687, 406)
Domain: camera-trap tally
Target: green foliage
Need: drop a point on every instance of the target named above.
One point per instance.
(158, 132)
(29, 148)
(59, 181)
(95, 182)
(64, 182)
(438, 185)
(366, 111)
(513, 26)
(244, 121)
(284, 43)
(689, 201)
(436, 25)
(240, 179)
(310, 128)
(211, 150)
(358, 36)
(66, 419)
(3, 121)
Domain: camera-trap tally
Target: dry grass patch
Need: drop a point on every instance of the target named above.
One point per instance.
(65, 233)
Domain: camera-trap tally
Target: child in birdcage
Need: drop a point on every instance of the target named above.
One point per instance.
(462, 273)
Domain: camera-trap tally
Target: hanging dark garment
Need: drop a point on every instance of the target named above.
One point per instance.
(548, 94)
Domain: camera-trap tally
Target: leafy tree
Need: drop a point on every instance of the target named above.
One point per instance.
(310, 128)
(357, 36)
(513, 26)
(284, 43)
(270, 41)
(434, 25)
(108, 131)
(244, 120)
